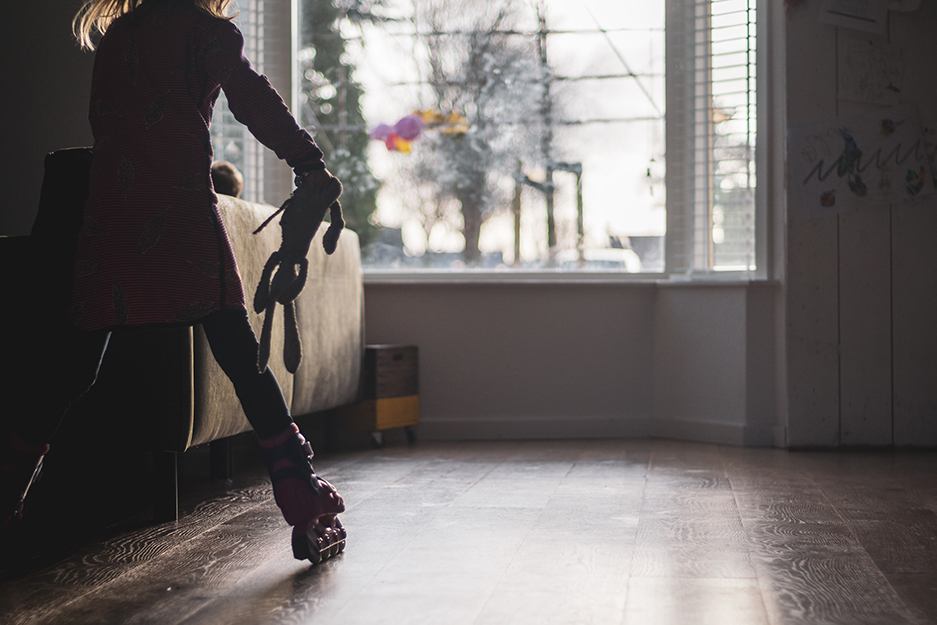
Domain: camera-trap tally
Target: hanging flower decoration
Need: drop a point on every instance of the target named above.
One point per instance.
(451, 123)
(398, 137)
(401, 135)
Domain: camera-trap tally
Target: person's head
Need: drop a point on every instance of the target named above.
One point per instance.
(226, 178)
(96, 15)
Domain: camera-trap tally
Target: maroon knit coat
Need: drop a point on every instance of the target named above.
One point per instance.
(153, 249)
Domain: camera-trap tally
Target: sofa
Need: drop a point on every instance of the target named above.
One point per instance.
(167, 377)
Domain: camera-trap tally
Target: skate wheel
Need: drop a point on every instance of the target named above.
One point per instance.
(341, 534)
(324, 552)
(318, 549)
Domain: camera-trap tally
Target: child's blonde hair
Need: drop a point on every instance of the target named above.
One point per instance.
(96, 15)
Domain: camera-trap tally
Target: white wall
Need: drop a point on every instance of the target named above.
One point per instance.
(523, 360)
(714, 365)
(529, 360)
(862, 348)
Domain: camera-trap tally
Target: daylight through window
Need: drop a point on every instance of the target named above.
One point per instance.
(507, 135)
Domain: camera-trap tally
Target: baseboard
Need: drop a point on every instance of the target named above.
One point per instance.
(779, 436)
(515, 428)
(699, 431)
(526, 428)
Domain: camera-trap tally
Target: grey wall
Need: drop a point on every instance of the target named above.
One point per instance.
(46, 83)
(861, 297)
(522, 360)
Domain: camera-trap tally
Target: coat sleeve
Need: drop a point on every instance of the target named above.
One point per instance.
(255, 103)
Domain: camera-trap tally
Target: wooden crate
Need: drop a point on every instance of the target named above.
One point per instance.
(391, 371)
(391, 392)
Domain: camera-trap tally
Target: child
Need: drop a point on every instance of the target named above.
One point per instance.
(226, 179)
(153, 250)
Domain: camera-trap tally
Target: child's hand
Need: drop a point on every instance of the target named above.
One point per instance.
(316, 180)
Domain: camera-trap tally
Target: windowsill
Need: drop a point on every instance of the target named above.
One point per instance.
(513, 276)
(507, 276)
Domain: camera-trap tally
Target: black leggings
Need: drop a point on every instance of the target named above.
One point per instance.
(233, 344)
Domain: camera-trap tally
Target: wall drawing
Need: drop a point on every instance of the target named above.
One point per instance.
(847, 163)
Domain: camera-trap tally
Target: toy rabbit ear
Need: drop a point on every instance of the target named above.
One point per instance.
(292, 345)
(330, 238)
(262, 294)
(263, 349)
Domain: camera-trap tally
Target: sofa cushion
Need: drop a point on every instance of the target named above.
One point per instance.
(331, 317)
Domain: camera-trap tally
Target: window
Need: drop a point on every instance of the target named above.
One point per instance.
(538, 138)
(542, 141)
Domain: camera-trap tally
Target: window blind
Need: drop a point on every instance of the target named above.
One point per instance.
(711, 123)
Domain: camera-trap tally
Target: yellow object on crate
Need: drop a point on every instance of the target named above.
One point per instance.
(391, 392)
(384, 413)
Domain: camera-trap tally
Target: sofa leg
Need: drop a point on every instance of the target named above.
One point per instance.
(166, 486)
(221, 454)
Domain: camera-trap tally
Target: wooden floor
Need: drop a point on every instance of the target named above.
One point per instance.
(633, 532)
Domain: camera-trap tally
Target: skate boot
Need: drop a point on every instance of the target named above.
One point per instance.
(308, 503)
(20, 468)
